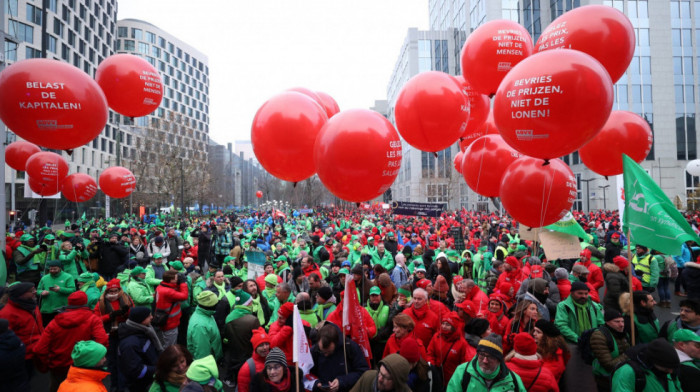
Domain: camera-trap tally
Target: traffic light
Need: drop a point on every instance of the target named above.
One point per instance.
(12, 216)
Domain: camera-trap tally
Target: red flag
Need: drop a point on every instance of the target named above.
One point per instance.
(353, 323)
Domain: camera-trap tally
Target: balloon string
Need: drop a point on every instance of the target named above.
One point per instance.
(549, 195)
(481, 164)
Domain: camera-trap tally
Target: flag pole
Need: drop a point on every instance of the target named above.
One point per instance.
(630, 276)
(296, 369)
(345, 355)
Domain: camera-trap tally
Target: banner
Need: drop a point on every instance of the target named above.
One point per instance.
(650, 217)
(418, 209)
(528, 233)
(568, 225)
(353, 323)
(301, 348)
(560, 245)
(621, 196)
(256, 263)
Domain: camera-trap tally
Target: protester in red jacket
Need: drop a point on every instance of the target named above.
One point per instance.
(77, 323)
(561, 277)
(336, 317)
(308, 267)
(595, 275)
(426, 320)
(478, 297)
(496, 314)
(525, 362)
(448, 348)
(403, 330)
(23, 315)
(261, 347)
(169, 293)
(512, 275)
(189, 251)
(281, 331)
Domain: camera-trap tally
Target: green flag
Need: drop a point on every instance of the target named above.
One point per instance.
(650, 217)
(82, 218)
(568, 225)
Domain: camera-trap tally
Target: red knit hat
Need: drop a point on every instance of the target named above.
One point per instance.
(423, 283)
(77, 298)
(524, 344)
(259, 337)
(585, 254)
(409, 349)
(114, 284)
(513, 262)
(286, 309)
(456, 279)
(621, 262)
(441, 285)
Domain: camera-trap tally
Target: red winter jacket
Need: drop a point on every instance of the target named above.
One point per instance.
(498, 322)
(312, 269)
(459, 352)
(427, 324)
(336, 317)
(281, 336)
(528, 371)
(27, 326)
(64, 331)
(556, 365)
(393, 345)
(168, 294)
(244, 379)
(191, 252)
(260, 280)
(439, 308)
(564, 286)
(595, 275)
(480, 299)
(515, 278)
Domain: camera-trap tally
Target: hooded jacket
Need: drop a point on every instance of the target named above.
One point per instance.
(64, 331)
(81, 379)
(203, 336)
(12, 366)
(137, 357)
(396, 365)
(498, 320)
(27, 325)
(168, 297)
(237, 335)
(448, 350)
(426, 321)
(244, 378)
(616, 283)
(533, 374)
(505, 380)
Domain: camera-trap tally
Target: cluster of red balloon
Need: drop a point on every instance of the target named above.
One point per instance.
(259, 194)
(547, 105)
(58, 106)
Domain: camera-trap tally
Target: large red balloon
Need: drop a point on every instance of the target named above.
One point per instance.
(79, 187)
(329, 104)
(487, 128)
(47, 168)
(51, 103)
(117, 182)
(133, 86)
(42, 188)
(598, 30)
(553, 103)
(458, 161)
(491, 51)
(484, 162)
(258, 194)
(358, 155)
(431, 112)
(623, 133)
(479, 108)
(283, 135)
(537, 195)
(17, 153)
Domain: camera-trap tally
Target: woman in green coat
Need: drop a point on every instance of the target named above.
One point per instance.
(171, 368)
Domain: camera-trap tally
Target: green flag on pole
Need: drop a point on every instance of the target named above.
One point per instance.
(82, 218)
(650, 217)
(568, 225)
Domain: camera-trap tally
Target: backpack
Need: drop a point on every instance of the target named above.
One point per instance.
(671, 269)
(640, 379)
(251, 367)
(584, 343)
(468, 377)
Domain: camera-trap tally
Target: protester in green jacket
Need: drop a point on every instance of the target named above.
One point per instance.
(377, 308)
(54, 290)
(86, 283)
(203, 372)
(203, 337)
(486, 371)
(383, 257)
(578, 313)
(656, 361)
(325, 302)
(646, 324)
(52, 251)
(67, 257)
(139, 291)
(26, 261)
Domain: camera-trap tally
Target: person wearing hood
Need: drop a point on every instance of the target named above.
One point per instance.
(657, 364)
(392, 376)
(276, 375)
(486, 371)
(616, 282)
(609, 344)
(496, 314)
(561, 278)
(478, 297)
(24, 318)
(595, 275)
(203, 337)
(87, 370)
(158, 246)
(139, 348)
(12, 367)
(203, 376)
(448, 349)
(512, 275)
(76, 323)
(54, 289)
(538, 292)
(237, 336)
(254, 364)
(137, 288)
(526, 363)
(86, 283)
(331, 360)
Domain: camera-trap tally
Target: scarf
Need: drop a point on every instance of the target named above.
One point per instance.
(28, 304)
(149, 332)
(282, 386)
(486, 376)
(221, 288)
(258, 310)
(583, 316)
(420, 313)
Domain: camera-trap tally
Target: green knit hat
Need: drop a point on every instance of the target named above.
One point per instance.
(207, 298)
(271, 279)
(87, 354)
(243, 298)
(138, 270)
(85, 277)
(53, 263)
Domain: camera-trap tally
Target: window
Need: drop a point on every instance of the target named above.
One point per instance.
(155, 51)
(10, 51)
(32, 53)
(51, 43)
(137, 34)
(122, 32)
(143, 48)
(150, 37)
(11, 8)
(65, 52)
(58, 27)
(129, 45)
(33, 14)
(21, 31)
(437, 193)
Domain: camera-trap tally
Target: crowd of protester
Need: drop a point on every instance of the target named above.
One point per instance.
(206, 304)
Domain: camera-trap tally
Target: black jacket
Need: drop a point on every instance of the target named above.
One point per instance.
(112, 257)
(12, 370)
(331, 367)
(691, 279)
(137, 357)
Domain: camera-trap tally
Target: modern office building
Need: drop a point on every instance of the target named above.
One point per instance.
(660, 85)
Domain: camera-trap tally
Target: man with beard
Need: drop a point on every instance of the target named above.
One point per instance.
(54, 289)
(261, 309)
(609, 344)
(646, 325)
(487, 371)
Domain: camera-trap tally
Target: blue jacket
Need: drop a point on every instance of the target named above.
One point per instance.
(137, 357)
(12, 371)
(684, 257)
(329, 368)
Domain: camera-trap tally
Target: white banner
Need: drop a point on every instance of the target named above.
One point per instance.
(620, 195)
(301, 349)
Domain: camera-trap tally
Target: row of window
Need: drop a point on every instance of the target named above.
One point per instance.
(138, 34)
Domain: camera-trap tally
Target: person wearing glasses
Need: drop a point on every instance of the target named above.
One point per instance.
(277, 376)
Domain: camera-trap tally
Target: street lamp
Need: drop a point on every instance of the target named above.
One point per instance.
(588, 194)
(604, 198)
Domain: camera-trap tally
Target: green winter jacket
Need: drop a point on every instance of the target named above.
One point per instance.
(567, 322)
(505, 381)
(140, 292)
(623, 380)
(380, 316)
(386, 260)
(93, 294)
(156, 387)
(68, 262)
(55, 299)
(203, 336)
(309, 316)
(322, 311)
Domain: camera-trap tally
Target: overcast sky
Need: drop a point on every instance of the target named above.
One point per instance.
(258, 48)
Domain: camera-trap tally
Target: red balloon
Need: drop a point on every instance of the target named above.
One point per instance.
(487, 128)
(598, 30)
(329, 104)
(484, 162)
(314, 96)
(47, 168)
(259, 194)
(623, 133)
(479, 108)
(51, 103)
(553, 103)
(431, 112)
(358, 155)
(458, 161)
(537, 195)
(133, 86)
(17, 153)
(283, 135)
(42, 188)
(117, 182)
(491, 51)
(79, 187)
